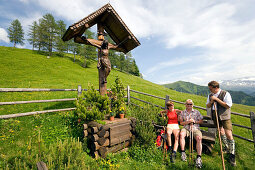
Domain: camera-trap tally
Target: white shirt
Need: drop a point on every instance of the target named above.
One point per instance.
(227, 99)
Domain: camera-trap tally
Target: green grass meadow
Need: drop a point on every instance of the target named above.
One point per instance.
(56, 138)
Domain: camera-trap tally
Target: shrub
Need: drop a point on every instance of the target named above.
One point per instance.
(92, 106)
(117, 95)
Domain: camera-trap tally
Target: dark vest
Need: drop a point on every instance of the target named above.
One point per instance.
(223, 113)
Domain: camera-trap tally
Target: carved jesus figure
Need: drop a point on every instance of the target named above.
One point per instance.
(103, 59)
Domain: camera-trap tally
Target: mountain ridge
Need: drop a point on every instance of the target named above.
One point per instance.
(238, 97)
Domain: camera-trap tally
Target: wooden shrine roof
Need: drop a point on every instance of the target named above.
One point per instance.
(112, 24)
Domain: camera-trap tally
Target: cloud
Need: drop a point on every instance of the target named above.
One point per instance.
(4, 36)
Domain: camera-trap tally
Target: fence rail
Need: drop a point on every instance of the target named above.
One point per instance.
(79, 90)
(37, 101)
(251, 116)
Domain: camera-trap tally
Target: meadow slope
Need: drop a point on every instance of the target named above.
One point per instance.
(23, 68)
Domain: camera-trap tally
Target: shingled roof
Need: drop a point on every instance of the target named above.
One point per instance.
(112, 24)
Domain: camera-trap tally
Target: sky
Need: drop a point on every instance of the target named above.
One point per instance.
(190, 40)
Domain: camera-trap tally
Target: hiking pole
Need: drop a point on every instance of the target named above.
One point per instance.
(218, 128)
(189, 144)
(192, 140)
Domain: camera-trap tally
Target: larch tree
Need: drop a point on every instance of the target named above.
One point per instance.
(16, 33)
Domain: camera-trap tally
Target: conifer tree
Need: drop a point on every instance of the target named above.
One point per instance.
(33, 35)
(61, 46)
(48, 31)
(16, 33)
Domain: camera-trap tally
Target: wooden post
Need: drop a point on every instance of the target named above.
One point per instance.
(79, 90)
(253, 126)
(102, 84)
(128, 94)
(167, 99)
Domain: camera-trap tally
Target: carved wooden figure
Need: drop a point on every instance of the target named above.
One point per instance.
(107, 20)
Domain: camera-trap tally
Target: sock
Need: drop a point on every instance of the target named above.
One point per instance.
(198, 156)
(224, 141)
(174, 152)
(182, 150)
(231, 146)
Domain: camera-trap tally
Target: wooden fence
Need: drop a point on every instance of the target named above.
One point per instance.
(129, 97)
(2, 90)
(251, 116)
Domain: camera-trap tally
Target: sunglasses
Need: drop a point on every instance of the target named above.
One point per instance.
(170, 105)
(189, 104)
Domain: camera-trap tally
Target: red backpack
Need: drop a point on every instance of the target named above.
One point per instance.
(160, 141)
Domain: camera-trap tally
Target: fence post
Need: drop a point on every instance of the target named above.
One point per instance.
(128, 94)
(167, 99)
(253, 126)
(79, 90)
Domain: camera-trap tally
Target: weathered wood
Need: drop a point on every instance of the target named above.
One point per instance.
(79, 90)
(41, 166)
(101, 141)
(249, 140)
(120, 129)
(105, 150)
(92, 130)
(252, 115)
(32, 90)
(37, 101)
(34, 113)
(121, 121)
(208, 137)
(147, 94)
(117, 134)
(147, 102)
(209, 125)
(102, 151)
(101, 133)
(114, 141)
(96, 146)
(85, 126)
(95, 137)
(246, 127)
(85, 133)
(95, 124)
(207, 117)
(166, 100)
(128, 95)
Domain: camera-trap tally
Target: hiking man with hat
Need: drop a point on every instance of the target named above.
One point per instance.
(223, 103)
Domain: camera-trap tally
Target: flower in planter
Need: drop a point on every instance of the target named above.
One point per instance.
(122, 110)
(112, 113)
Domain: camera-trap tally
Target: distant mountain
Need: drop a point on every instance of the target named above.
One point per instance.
(246, 84)
(238, 97)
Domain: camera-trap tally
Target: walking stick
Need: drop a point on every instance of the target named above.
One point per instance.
(218, 128)
(191, 144)
(192, 137)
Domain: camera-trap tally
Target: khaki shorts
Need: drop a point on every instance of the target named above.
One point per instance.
(195, 132)
(173, 126)
(226, 124)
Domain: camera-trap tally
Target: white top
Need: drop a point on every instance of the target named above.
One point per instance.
(227, 99)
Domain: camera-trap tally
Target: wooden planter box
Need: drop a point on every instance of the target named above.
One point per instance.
(109, 138)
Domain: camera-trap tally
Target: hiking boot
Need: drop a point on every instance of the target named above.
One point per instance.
(173, 157)
(183, 156)
(232, 159)
(199, 162)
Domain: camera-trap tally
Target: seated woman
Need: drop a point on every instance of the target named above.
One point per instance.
(172, 127)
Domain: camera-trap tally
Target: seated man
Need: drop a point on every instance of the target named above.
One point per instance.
(191, 118)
